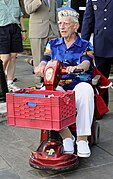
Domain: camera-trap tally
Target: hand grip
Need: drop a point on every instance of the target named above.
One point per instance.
(78, 71)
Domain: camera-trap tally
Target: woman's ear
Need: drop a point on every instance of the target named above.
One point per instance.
(76, 26)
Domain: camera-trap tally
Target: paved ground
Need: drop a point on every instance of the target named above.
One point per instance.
(16, 144)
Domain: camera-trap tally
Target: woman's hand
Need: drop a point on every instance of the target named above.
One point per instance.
(70, 69)
(83, 66)
(24, 36)
(39, 70)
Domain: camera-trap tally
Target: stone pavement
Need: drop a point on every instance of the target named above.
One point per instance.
(16, 144)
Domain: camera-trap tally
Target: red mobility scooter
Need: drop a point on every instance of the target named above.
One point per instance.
(50, 111)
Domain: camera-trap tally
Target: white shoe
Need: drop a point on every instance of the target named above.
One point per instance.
(12, 87)
(68, 145)
(83, 149)
(29, 61)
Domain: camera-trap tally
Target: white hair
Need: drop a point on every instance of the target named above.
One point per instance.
(73, 14)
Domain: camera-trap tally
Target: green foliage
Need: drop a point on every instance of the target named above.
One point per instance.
(26, 44)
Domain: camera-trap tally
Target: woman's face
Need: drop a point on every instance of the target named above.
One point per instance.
(67, 26)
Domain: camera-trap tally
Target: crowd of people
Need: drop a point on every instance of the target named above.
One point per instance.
(61, 32)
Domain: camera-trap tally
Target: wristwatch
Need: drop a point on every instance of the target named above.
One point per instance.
(24, 30)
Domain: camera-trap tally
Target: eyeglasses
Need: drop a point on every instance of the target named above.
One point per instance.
(66, 24)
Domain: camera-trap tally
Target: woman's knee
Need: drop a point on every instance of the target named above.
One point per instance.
(84, 89)
(13, 57)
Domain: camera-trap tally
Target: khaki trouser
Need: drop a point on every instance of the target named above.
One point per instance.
(38, 46)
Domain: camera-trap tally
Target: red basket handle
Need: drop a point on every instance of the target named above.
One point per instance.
(66, 100)
(67, 96)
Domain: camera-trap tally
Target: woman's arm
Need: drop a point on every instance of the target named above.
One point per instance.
(24, 36)
(84, 65)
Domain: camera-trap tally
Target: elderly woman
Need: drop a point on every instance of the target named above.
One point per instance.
(74, 53)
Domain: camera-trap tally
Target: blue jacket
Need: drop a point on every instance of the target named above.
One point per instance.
(99, 15)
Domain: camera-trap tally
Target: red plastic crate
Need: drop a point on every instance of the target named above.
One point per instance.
(41, 109)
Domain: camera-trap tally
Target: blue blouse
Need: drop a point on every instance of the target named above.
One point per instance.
(79, 51)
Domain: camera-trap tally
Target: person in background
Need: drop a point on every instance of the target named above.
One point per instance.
(79, 6)
(99, 17)
(60, 3)
(42, 27)
(74, 53)
(68, 3)
(11, 26)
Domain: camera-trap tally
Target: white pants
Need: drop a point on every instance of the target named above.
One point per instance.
(84, 95)
(84, 99)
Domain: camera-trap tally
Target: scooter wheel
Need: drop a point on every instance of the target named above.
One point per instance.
(97, 133)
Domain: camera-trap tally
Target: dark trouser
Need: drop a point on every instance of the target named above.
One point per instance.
(104, 65)
(3, 84)
(10, 39)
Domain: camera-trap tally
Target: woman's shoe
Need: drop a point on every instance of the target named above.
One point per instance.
(83, 149)
(12, 88)
(68, 145)
(29, 61)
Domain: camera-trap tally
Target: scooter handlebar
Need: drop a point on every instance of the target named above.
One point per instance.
(78, 71)
(63, 71)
